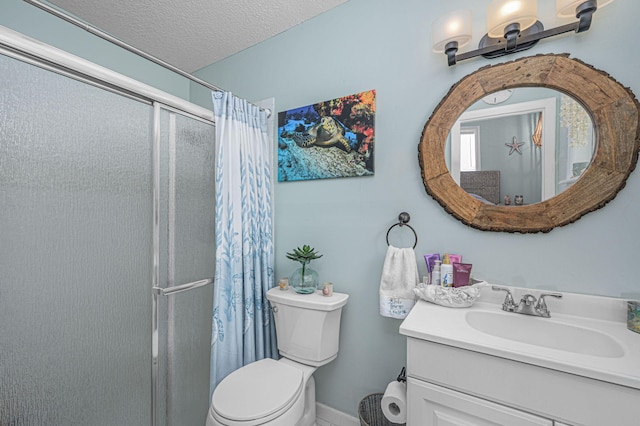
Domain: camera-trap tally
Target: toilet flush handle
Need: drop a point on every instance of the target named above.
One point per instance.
(274, 309)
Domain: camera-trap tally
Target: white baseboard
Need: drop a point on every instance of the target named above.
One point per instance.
(327, 416)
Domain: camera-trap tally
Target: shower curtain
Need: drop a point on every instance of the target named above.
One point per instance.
(243, 330)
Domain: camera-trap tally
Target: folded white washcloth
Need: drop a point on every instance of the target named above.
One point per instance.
(399, 278)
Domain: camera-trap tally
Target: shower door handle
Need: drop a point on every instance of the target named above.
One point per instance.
(183, 287)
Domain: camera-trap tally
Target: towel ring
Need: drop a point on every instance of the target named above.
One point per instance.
(403, 219)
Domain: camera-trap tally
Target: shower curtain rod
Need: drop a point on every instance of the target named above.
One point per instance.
(70, 19)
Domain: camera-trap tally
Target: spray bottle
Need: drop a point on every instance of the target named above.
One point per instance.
(435, 274)
(446, 271)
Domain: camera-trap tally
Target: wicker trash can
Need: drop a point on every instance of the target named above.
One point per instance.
(370, 412)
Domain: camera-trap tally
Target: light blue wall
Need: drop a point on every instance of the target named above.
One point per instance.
(385, 45)
(35, 23)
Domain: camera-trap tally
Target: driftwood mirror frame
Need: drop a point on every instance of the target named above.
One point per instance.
(616, 118)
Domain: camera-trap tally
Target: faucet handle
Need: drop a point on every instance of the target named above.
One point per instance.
(509, 304)
(541, 306)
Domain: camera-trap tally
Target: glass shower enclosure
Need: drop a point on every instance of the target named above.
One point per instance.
(106, 250)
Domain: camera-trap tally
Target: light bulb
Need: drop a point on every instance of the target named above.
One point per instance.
(454, 26)
(501, 13)
(567, 8)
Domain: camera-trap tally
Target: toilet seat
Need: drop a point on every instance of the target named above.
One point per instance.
(257, 392)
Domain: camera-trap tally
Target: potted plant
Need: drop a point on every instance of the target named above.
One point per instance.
(304, 280)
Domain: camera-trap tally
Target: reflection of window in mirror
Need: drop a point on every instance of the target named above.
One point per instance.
(470, 149)
(576, 128)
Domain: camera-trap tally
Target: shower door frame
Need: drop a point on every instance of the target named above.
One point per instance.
(21, 47)
(171, 288)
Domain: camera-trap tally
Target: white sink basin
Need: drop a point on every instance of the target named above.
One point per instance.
(544, 332)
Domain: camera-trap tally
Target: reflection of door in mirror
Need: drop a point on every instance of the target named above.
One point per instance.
(510, 149)
(528, 170)
(548, 136)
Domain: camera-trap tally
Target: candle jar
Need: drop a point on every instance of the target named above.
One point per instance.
(327, 289)
(284, 283)
(518, 200)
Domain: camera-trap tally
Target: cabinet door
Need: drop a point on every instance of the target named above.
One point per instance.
(431, 405)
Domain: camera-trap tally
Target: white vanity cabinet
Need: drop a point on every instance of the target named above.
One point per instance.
(438, 406)
(449, 386)
(459, 376)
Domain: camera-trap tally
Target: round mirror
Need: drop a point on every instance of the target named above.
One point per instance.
(520, 146)
(580, 185)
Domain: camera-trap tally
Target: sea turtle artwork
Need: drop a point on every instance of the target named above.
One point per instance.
(328, 139)
(328, 132)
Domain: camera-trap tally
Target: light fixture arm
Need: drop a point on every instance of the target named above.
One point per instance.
(450, 50)
(517, 41)
(584, 12)
(511, 33)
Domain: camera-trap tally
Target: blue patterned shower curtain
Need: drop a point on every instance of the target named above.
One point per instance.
(243, 330)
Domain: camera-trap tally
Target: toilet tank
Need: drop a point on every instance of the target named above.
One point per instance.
(307, 325)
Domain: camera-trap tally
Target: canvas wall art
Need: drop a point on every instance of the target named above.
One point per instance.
(329, 139)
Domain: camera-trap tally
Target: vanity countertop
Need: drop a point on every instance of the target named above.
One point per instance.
(605, 317)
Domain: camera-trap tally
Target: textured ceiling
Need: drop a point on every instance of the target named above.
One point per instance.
(191, 34)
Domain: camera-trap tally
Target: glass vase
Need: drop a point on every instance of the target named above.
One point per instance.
(304, 284)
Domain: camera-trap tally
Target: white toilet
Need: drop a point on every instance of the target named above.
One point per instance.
(282, 393)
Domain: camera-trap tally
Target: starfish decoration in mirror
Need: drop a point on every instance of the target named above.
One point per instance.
(515, 146)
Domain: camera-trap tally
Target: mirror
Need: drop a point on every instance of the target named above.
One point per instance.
(532, 142)
(614, 112)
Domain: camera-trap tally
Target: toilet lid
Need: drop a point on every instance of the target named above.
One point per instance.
(257, 390)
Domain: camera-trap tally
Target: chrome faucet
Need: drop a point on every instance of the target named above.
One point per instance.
(528, 305)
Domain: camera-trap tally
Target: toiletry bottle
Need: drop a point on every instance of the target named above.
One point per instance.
(446, 272)
(435, 274)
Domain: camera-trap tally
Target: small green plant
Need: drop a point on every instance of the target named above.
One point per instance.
(303, 255)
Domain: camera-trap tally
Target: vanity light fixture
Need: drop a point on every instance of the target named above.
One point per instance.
(512, 25)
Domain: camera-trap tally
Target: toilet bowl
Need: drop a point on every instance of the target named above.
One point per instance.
(282, 393)
(266, 392)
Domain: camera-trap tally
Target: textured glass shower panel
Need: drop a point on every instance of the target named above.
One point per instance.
(75, 257)
(187, 168)
(194, 199)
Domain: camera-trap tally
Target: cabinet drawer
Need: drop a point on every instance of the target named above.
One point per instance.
(431, 405)
(567, 398)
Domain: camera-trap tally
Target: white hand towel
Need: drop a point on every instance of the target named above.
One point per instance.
(399, 278)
